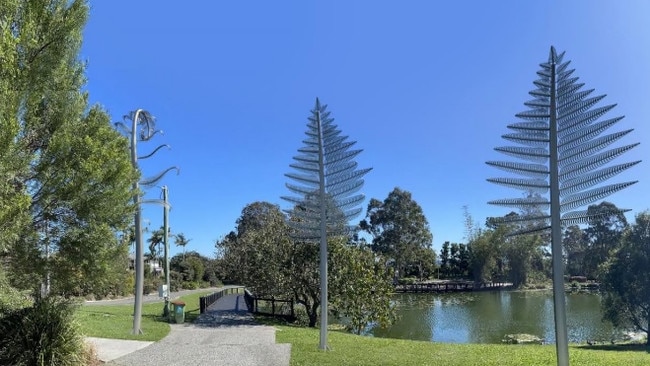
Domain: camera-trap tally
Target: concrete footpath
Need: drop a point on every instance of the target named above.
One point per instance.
(226, 334)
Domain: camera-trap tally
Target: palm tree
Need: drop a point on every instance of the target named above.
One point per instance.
(155, 241)
(181, 241)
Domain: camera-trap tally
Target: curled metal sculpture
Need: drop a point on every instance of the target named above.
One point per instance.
(146, 124)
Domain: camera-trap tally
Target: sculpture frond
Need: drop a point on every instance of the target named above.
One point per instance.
(325, 161)
(582, 148)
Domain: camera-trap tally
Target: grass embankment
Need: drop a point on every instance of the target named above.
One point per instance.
(349, 349)
(116, 321)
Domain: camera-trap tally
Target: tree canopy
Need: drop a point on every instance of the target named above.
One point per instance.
(626, 279)
(399, 229)
(60, 200)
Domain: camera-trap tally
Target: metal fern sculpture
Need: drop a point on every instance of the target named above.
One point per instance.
(327, 187)
(566, 157)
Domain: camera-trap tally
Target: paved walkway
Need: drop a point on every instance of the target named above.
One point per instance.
(226, 334)
(153, 297)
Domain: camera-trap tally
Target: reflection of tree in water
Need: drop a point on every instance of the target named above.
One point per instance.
(415, 318)
(583, 317)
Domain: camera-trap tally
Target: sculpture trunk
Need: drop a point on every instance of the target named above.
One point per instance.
(323, 240)
(561, 341)
(139, 255)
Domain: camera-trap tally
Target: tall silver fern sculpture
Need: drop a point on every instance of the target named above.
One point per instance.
(327, 186)
(566, 162)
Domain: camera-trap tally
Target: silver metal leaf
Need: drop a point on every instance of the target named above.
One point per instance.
(569, 141)
(582, 151)
(536, 155)
(593, 162)
(535, 185)
(572, 124)
(591, 196)
(531, 170)
(585, 181)
(530, 139)
(529, 126)
(338, 172)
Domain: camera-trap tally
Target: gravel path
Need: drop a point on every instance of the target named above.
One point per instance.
(226, 334)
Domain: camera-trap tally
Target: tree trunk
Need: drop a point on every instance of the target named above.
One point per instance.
(312, 312)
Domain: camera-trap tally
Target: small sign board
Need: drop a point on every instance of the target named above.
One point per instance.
(162, 291)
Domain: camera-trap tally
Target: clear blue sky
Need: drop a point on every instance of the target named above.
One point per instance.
(426, 88)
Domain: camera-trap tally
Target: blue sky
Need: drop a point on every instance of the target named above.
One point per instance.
(426, 88)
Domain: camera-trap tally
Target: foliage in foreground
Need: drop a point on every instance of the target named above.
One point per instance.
(43, 334)
(348, 349)
(61, 204)
(626, 280)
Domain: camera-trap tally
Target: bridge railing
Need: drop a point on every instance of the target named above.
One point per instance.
(270, 306)
(206, 301)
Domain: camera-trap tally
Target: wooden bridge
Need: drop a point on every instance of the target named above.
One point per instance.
(452, 286)
(244, 300)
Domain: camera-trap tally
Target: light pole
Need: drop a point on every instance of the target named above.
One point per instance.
(166, 241)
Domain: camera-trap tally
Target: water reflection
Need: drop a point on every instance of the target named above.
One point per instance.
(485, 317)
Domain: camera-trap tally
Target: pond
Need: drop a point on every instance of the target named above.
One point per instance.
(486, 317)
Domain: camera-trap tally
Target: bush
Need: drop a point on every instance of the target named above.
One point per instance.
(191, 285)
(407, 280)
(151, 285)
(10, 298)
(43, 334)
(302, 319)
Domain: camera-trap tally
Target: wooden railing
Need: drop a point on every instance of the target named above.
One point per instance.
(270, 306)
(205, 301)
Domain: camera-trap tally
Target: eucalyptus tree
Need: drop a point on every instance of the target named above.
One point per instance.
(328, 182)
(566, 162)
(142, 127)
(399, 228)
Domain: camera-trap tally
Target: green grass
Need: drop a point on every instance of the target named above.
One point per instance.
(116, 321)
(348, 349)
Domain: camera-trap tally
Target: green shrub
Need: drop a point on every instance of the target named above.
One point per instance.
(151, 285)
(302, 319)
(44, 334)
(407, 280)
(191, 285)
(11, 298)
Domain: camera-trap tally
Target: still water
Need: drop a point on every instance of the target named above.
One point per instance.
(486, 317)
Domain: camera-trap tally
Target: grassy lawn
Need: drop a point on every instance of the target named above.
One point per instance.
(348, 349)
(116, 321)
